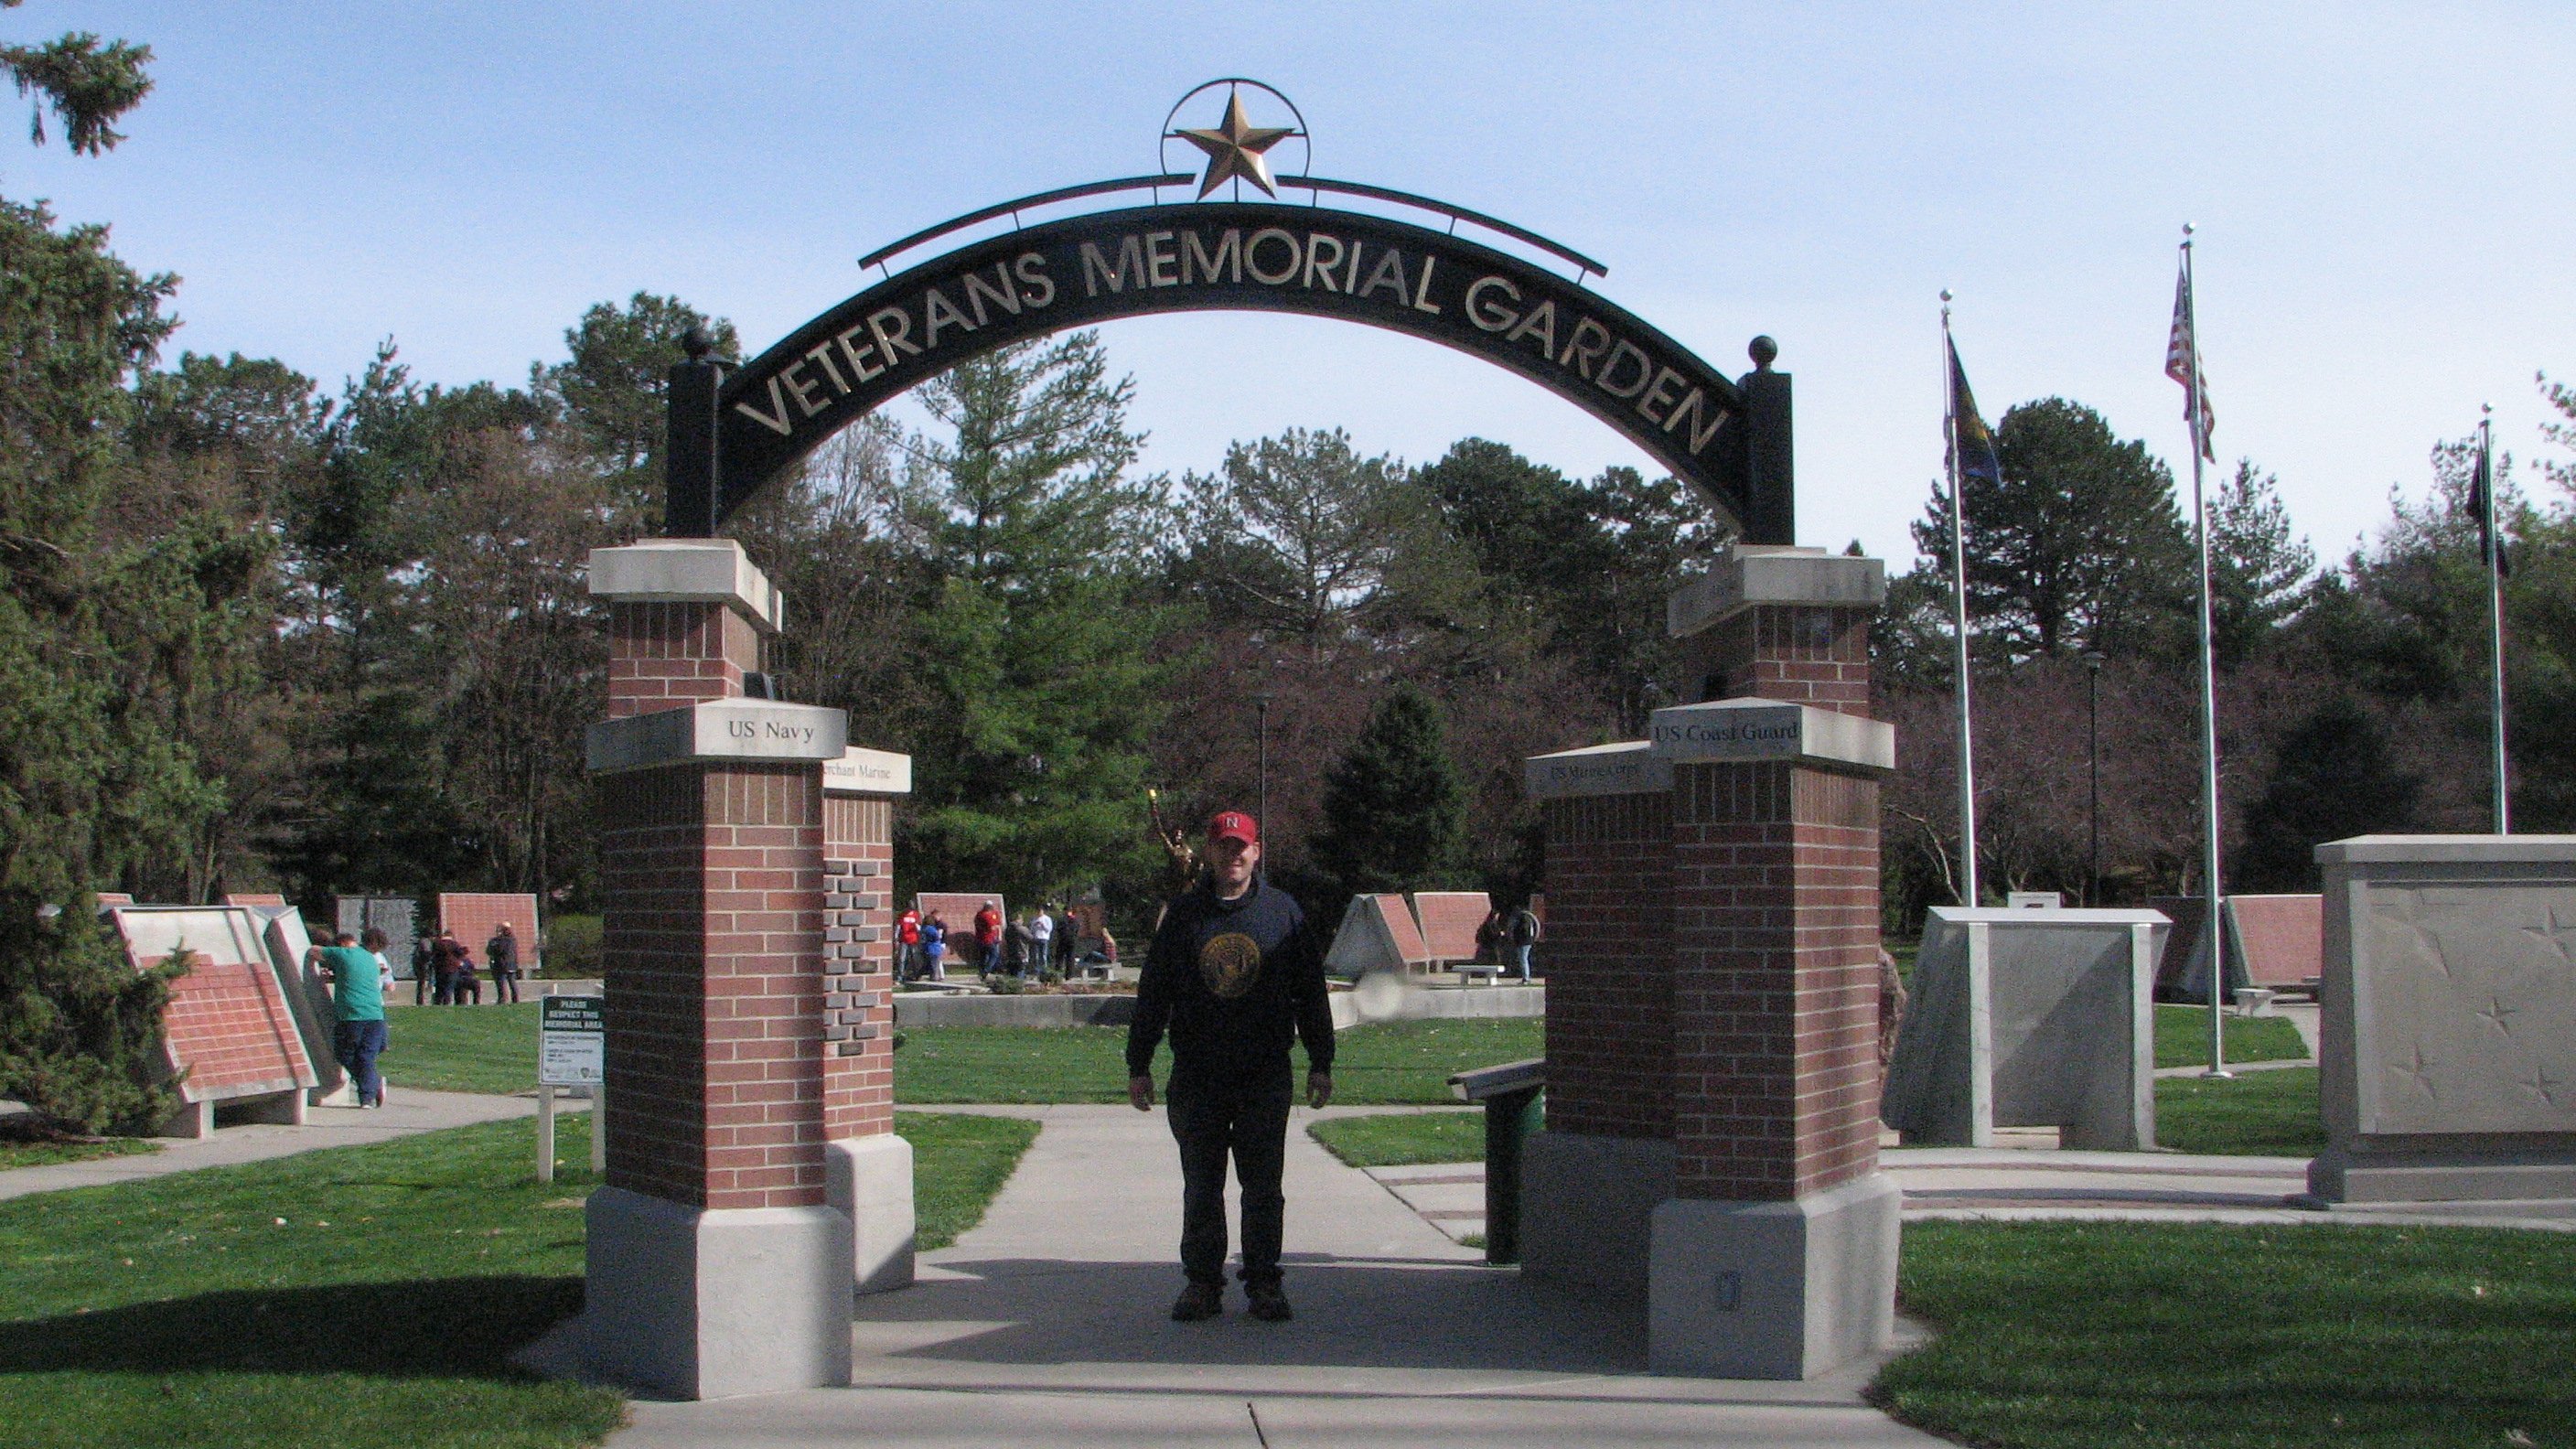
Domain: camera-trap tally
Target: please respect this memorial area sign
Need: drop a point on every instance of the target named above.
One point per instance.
(572, 1041)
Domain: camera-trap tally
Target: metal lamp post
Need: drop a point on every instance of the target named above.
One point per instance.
(1261, 703)
(2093, 774)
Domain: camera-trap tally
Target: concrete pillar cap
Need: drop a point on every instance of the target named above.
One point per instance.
(1752, 574)
(688, 571)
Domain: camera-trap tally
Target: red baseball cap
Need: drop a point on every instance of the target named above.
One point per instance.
(1234, 825)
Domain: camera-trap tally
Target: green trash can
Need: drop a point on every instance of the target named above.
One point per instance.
(1514, 1096)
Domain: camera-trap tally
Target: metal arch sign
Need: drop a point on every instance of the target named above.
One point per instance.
(1726, 438)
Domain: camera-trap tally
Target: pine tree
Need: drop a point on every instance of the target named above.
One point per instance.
(2078, 546)
(1036, 651)
(1393, 806)
(80, 1029)
(91, 781)
(2334, 780)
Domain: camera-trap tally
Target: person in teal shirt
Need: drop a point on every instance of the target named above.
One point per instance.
(358, 1002)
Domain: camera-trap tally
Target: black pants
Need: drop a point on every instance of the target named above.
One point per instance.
(1244, 1116)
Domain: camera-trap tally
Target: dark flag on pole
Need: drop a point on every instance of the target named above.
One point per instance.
(1976, 445)
(2482, 503)
(2182, 364)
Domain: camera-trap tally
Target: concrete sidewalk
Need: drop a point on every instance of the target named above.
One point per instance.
(1046, 1325)
(404, 1114)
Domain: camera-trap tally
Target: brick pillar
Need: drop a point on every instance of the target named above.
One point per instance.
(869, 1169)
(1780, 623)
(718, 1263)
(714, 925)
(1775, 980)
(1721, 965)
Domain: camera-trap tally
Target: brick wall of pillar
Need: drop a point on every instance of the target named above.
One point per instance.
(664, 655)
(1609, 966)
(1775, 996)
(858, 939)
(714, 924)
(1796, 653)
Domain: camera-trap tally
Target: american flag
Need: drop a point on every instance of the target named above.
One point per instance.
(2182, 358)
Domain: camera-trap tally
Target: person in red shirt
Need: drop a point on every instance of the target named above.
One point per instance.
(907, 951)
(988, 937)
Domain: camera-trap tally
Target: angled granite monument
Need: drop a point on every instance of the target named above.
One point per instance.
(2448, 1038)
(2029, 1018)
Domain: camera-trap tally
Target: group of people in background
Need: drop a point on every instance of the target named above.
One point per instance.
(1046, 941)
(443, 970)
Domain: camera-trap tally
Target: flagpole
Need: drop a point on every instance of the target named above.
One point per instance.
(2209, 863)
(2494, 561)
(1959, 601)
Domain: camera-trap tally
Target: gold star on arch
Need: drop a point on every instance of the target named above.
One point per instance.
(1234, 149)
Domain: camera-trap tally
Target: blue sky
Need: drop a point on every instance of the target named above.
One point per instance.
(2383, 194)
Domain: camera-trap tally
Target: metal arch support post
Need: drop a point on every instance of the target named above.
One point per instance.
(690, 496)
(1770, 454)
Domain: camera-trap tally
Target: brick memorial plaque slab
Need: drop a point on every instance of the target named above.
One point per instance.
(957, 909)
(1369, 939)
(1450, 920)
(229, 1035)
(1406, 931)
(2280, 939)
(475, 915)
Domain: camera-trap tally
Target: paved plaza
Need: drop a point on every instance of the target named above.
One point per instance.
(1046, 1325)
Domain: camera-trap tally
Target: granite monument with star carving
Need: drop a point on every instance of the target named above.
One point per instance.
(2448, 1037)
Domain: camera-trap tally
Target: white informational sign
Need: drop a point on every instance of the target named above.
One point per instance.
(572, 1041)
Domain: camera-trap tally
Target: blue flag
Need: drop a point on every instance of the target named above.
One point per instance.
(1976, 446)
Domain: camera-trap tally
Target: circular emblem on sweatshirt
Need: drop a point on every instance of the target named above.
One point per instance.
(1230, 963)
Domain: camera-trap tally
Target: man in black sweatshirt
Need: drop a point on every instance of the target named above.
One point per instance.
(1235, 975)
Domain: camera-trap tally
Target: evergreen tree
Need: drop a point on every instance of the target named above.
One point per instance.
(1036, 653)
(2079, 546)
(92, 783)
(2334, 779)
(2258, 567)
(1393, 806)
(87, 85)
(80, 1029)
(609, 392)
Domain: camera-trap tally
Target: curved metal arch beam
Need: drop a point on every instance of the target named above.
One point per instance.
(1317, 184)
(1727, 439)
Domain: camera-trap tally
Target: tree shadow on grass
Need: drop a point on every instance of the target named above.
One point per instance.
(438, 1328)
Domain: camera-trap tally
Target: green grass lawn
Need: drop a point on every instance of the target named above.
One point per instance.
(958, 1163)
(1403, 1139)
(461, 1048)
(45, 1152)
(2182, 1037)
(2074, 1335)
(2257, 1114)
(1388, 1064)
(346, 1298)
